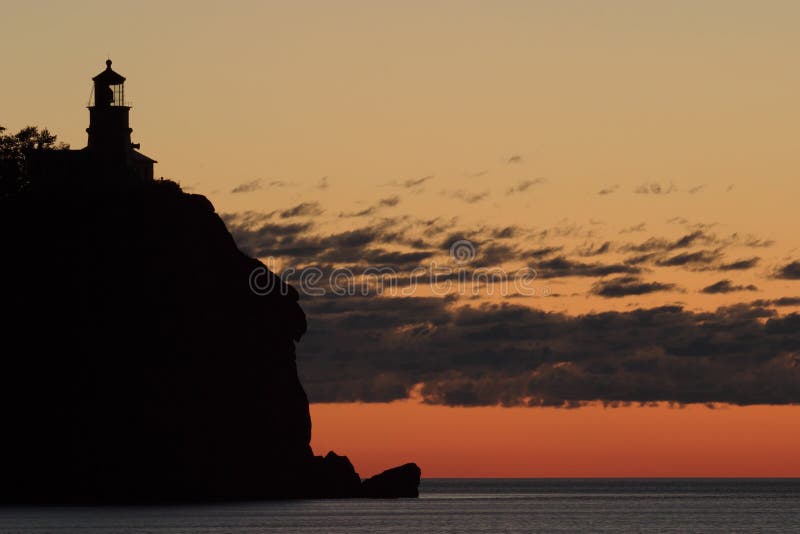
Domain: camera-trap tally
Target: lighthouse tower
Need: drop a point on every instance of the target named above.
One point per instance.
(109, 130)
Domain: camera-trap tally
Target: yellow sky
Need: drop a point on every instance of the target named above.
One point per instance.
(590, 94)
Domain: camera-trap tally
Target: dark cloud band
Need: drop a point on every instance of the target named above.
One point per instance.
(378, 349)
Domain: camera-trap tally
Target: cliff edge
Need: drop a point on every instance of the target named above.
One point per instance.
(137, 363)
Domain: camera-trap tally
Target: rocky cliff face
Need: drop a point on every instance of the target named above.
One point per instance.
(137, 364)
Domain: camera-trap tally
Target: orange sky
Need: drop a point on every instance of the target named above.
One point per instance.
(698, 97)
(694, 441)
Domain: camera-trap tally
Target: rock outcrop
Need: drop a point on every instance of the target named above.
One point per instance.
(137, 364)
(402, 481)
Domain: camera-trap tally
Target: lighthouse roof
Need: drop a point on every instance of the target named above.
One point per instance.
(108, 76)
(138, 156)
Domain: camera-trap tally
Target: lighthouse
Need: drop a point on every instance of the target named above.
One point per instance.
(109, 144)
(109, 153)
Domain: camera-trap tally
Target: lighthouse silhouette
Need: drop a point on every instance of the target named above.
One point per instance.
(109, 130)
(109, 153)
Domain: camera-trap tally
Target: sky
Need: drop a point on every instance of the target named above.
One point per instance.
(636, 161)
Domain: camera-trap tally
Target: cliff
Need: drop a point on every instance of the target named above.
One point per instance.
(137, 363)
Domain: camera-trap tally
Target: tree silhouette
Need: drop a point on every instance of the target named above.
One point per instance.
(14, 151)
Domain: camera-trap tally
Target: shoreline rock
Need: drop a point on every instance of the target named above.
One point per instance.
(397, 482)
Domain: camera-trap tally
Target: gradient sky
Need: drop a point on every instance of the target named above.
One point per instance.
(573, 124)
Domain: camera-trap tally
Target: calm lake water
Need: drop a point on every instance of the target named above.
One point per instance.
(459, 505)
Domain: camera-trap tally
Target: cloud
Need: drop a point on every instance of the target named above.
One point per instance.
(404, 243)
(304, 209)
(592, 250)
(624, 286)
(641, 258)
(782, 301)
(381, 257)
(524, 185)
(699, 258)
(635, 228)
(372, 245)
(726, 286)
(263, 238)
(739, 265)
(466, 196)
(564, 229)
(661, 244)
(388, 202)
(656, 250)
(506, 232)
(655, 188)
(437, 225)
(608, 190)
(560, 267)
(755, 242)
(494, 254)
(378, 349)
(414, 182)
(247, 187)
(542, 252)
(790, 271)
(246, 218)
(691, 239)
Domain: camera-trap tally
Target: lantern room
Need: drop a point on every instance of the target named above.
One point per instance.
(109, 88)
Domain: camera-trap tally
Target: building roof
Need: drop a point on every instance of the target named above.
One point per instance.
(141, 157)
(108, 76)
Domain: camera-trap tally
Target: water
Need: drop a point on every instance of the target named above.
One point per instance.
(459, 505)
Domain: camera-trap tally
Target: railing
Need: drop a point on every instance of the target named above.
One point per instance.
(127, 104)
(122, 104)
